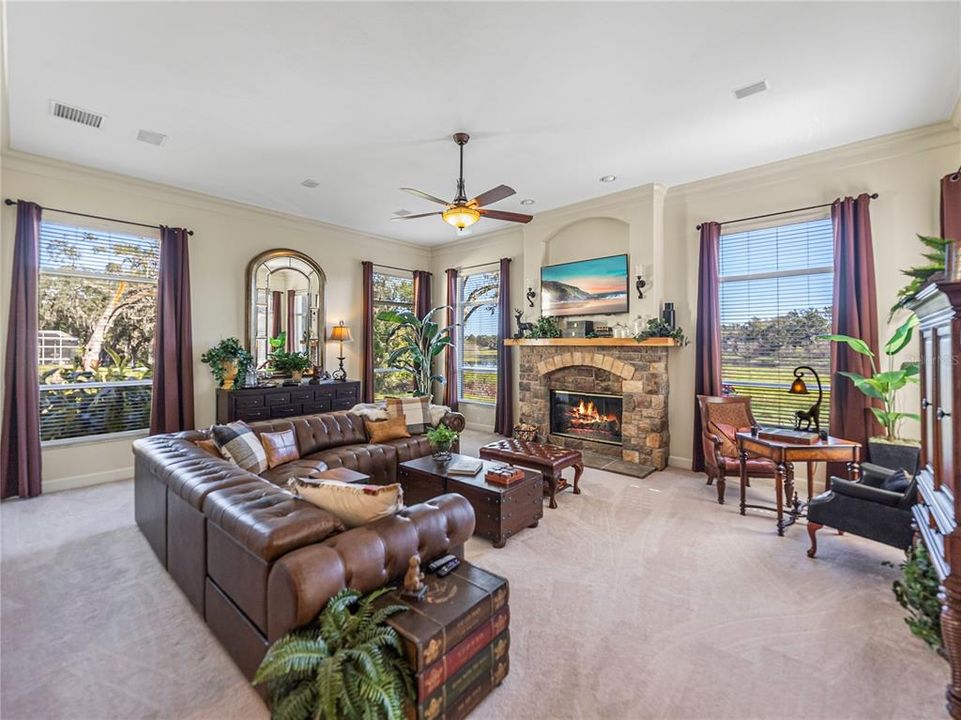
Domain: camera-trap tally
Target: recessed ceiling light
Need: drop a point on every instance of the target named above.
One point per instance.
(310, 183)
(401, 212)
(151, 138)
(527, 202)
(749, 90)
(609, 178)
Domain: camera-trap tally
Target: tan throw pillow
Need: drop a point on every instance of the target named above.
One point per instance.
(351, 503)
(415, 409)
(209, 447)
(281, 447)
(384, 430)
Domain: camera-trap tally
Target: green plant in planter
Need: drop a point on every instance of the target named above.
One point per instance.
(917, 592)
(289, 362)
(225, 355)
(920, 275)
(348, 663)
(277, 343)
(657, 328)
(884, 386)
(441, 439)
(545, 327)
(416, 342)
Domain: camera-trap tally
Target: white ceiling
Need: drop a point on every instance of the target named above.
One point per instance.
(256, 97)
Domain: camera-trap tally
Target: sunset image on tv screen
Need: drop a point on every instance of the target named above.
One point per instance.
(586, 287)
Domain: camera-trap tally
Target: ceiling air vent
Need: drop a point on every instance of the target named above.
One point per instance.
(75, 114)
(749, 90)
(151, 138)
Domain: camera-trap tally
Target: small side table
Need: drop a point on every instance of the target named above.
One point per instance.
(784, 455)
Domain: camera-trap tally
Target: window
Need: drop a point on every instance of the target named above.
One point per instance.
(477, 338)
(97, 300)
(776, 288)
(393, 290)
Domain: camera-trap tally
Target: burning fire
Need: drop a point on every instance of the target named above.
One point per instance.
(586, 415)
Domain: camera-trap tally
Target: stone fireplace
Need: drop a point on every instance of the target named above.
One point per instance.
(599, 371)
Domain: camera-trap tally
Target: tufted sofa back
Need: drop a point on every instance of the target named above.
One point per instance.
(319, 432)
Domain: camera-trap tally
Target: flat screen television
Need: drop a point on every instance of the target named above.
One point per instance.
(585, 287)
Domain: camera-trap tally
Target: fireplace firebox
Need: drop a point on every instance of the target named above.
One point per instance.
(586, 416)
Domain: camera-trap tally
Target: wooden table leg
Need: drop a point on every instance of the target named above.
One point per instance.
(779, 474)
(552, 484)
(743, 480)
(810, 480)
(578, 469)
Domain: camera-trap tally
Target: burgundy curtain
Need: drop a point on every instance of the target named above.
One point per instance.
(291, 301)
(20, 457)
(707, 361)
(450, 355)
(951, 206)
(855, 313)
(275, 303)
(368, 369)
(421, 293)
(504, 409)
(172, 408)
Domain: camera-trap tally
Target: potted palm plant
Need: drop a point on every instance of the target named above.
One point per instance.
(348, 663)
(889, 450)
(417, 341)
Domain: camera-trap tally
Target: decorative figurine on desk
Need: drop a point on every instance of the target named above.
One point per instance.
(414, 587)
(319, 374)
(522, 327)
(340, 333)
(798, 387)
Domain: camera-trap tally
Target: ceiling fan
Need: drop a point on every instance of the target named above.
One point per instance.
(461, 212)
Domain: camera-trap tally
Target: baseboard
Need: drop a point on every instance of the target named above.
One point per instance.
(79, 481)
(679, 462)
(478, 427)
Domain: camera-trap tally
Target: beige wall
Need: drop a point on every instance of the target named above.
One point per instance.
(657, 225)
(226, 237)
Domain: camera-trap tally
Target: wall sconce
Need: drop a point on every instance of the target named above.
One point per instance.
(641, 283)
(530, 292)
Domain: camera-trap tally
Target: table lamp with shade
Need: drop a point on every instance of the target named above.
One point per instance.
(799, 387)
(340, 333)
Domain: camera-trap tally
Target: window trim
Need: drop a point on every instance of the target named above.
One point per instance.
(490, 268)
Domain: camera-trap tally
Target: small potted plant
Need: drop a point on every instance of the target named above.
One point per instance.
(441, 439)
(289, 363)
(890, 450)
(545, 327)
(228, 359)
(658, 328)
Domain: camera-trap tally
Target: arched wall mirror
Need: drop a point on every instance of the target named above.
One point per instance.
(285, 305)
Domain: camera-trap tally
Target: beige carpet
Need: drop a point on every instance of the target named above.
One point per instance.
(636, 599)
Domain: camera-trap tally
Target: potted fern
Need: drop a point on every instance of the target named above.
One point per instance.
(228, 359)
(348, 663)
(890, 450)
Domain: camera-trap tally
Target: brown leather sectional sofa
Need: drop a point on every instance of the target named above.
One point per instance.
(256, 561)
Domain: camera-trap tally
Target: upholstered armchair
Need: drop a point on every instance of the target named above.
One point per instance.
(721, 418)
(878, 507)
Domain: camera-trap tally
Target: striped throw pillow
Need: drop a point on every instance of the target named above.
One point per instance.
(416, 410)
(241, 445)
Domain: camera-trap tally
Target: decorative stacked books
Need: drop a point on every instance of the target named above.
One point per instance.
(456, 641)
(465, 466)
(795, 437)
(504, 475)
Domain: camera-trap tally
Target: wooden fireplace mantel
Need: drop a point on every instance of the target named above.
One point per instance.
(593, 342)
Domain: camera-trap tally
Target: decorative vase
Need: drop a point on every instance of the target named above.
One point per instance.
(442, 453)
(230, 374)
(296, 375)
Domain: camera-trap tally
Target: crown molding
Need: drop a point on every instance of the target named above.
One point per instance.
(42, 166)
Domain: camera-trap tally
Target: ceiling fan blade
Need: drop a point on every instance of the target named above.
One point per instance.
(509, 216)
(492, 196)
(425, 196)
(413, 217)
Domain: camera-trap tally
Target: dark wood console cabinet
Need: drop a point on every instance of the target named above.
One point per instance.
(938, 308)
(266, 403)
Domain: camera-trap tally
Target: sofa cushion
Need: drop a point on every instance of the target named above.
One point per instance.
(415, 409)
(303, 468)
(379, 462)
(241, 445)
(320, 432)
(383, 430)
(281, 447)
(728, 436)
(410, 448)
(352, 503)
(897, 481)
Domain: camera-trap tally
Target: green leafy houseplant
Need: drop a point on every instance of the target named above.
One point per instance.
(884, 386)
(223, 354)
(415, 342)
(545, 327)
(917, 592)
(441, 439)
(920, 275)
(346, 664)
(288, 362)
(657, 328)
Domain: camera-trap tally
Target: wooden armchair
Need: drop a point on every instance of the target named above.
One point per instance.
(721, 418)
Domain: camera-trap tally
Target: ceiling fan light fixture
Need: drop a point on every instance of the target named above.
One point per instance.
(460, 216)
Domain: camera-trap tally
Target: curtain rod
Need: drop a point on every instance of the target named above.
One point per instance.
(471, 267)
(874, 196)
(8, 201)
(400, 269)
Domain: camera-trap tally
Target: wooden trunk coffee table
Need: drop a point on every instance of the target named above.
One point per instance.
(501, 510)
(551, 460)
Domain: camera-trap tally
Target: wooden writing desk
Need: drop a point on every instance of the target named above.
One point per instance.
(784, 455)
